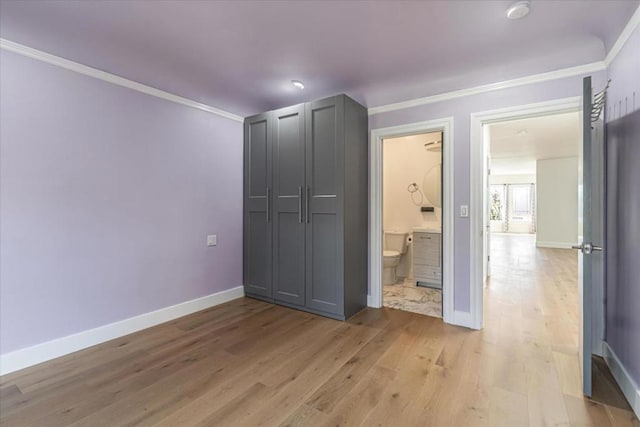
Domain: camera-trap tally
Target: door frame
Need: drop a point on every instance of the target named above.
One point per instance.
(376, 239)
(478, 171)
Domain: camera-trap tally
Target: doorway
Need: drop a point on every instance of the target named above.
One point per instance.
(443, 127)
(480, 165)
(532, 181)
(412, 223)
(589, 335)
(531, 224)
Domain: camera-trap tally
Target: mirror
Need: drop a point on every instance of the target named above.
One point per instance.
(432, 185)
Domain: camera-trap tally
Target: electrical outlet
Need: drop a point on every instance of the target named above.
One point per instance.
(212, 240)
(464, 211)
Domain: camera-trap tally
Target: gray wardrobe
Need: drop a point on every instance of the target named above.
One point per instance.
(305, 206)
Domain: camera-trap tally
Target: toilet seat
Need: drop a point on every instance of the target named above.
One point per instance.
(386, 253)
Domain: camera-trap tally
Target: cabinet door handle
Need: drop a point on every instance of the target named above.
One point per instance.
(308, 197)
(268, 204)
(300, 205)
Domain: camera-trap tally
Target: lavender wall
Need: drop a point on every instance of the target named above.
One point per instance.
(623, 235)
(623, 207)
(624, 92)
(106, 198)
(461, 109)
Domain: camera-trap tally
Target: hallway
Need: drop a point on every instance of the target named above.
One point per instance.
(531, 315)
(534, 289)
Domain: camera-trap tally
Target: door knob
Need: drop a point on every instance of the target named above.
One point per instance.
(587, 248)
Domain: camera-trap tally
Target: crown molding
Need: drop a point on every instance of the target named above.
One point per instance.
(111, 78)
(534, 78)
(623, 37)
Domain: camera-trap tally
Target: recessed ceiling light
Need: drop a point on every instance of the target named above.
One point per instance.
(298, 84)
(519, 9)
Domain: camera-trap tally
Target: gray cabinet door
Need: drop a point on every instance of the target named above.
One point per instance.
(288, 198)
(257, 221)
(324, 192)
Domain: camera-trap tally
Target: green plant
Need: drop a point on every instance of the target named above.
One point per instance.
(495, 213)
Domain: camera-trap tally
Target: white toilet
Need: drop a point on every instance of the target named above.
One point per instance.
(395, 245)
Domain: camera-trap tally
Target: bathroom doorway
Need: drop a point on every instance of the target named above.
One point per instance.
(412, 223)
(444, 128)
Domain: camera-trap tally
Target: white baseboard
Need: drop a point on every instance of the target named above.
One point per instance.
(371, 302)
(463, 318)
(626, 383)
(39, 353)
(555, 245)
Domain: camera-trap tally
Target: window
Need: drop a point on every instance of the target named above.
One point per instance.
(521, 195)
(512, 208)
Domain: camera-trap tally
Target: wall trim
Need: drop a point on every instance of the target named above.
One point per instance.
(555, 245)
(375, 209)
(111, 78)
(43, 352)
(534, 78)
(623, 37)
(476, 187)
(629, 388)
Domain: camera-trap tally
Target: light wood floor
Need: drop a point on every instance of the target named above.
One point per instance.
(248, 363)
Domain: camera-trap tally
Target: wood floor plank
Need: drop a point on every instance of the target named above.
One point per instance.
(259, 365)
(403, 397)
(507, 408)
(455, 389)
(362, 399)
(544, 393)
(332, 391)
(411, 333)
(585, 412)
(569, 373)
(155, 402)
(305, 415)
(621, 417)
(239, 408)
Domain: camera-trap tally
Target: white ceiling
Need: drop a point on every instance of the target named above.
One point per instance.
(513, 166)
(517, 144)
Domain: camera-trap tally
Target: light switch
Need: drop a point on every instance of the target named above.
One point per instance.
(212, 240)
(464, 211)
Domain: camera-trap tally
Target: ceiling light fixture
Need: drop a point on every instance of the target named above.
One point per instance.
(519, 9)
(298, 84)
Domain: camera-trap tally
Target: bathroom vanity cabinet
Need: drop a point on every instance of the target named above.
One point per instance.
(427, 258)
(305, 206)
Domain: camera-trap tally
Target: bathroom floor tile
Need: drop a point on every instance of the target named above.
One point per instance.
(409, 297)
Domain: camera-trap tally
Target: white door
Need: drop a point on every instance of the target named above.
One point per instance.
(590, 232)
(486, 201)
(487, 220)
